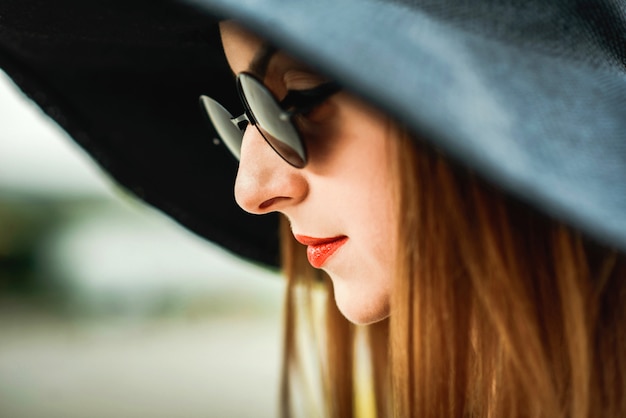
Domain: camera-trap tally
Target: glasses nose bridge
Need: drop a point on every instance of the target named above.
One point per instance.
(242, 120)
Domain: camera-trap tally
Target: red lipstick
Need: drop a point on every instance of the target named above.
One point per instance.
(320, 249)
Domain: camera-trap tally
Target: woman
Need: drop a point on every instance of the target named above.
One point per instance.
(478, 225)
(500, 311)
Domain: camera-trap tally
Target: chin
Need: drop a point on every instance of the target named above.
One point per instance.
(359, 307)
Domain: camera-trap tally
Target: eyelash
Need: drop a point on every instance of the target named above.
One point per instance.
(308, 122)
(299, 99)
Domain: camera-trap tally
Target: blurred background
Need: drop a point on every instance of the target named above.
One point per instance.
(108, 308)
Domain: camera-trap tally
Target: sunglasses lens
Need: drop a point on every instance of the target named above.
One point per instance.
(230, 134)
(278, 131)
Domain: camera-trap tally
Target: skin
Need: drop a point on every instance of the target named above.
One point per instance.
(346, 189)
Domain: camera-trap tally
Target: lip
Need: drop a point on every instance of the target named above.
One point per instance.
(320, 249)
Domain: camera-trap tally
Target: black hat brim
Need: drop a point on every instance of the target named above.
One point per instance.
(123, 79)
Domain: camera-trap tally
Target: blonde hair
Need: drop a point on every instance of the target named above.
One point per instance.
(496, 310)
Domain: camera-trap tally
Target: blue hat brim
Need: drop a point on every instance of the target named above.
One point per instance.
(529, 95)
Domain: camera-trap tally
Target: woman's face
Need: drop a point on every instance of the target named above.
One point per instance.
(341, 204)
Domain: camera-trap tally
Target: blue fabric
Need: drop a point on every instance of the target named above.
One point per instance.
(529, 94)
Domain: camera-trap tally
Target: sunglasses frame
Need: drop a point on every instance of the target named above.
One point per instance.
(296, 102)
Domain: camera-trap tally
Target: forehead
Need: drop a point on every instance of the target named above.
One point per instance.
(240, 46)
(247, 52)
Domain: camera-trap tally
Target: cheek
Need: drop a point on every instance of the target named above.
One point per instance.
(355, 190)
(369, 210)
(377, 247)
(376, 202)
(369, 190)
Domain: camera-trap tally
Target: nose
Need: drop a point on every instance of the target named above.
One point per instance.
(265, 182)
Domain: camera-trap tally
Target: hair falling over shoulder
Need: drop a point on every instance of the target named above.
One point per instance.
(496, 311)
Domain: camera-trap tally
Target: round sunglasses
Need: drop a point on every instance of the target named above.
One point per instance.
(272, 118)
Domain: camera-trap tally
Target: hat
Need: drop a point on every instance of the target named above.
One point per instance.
(530, 95)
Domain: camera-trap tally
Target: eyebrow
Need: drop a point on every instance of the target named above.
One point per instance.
(261, 60)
